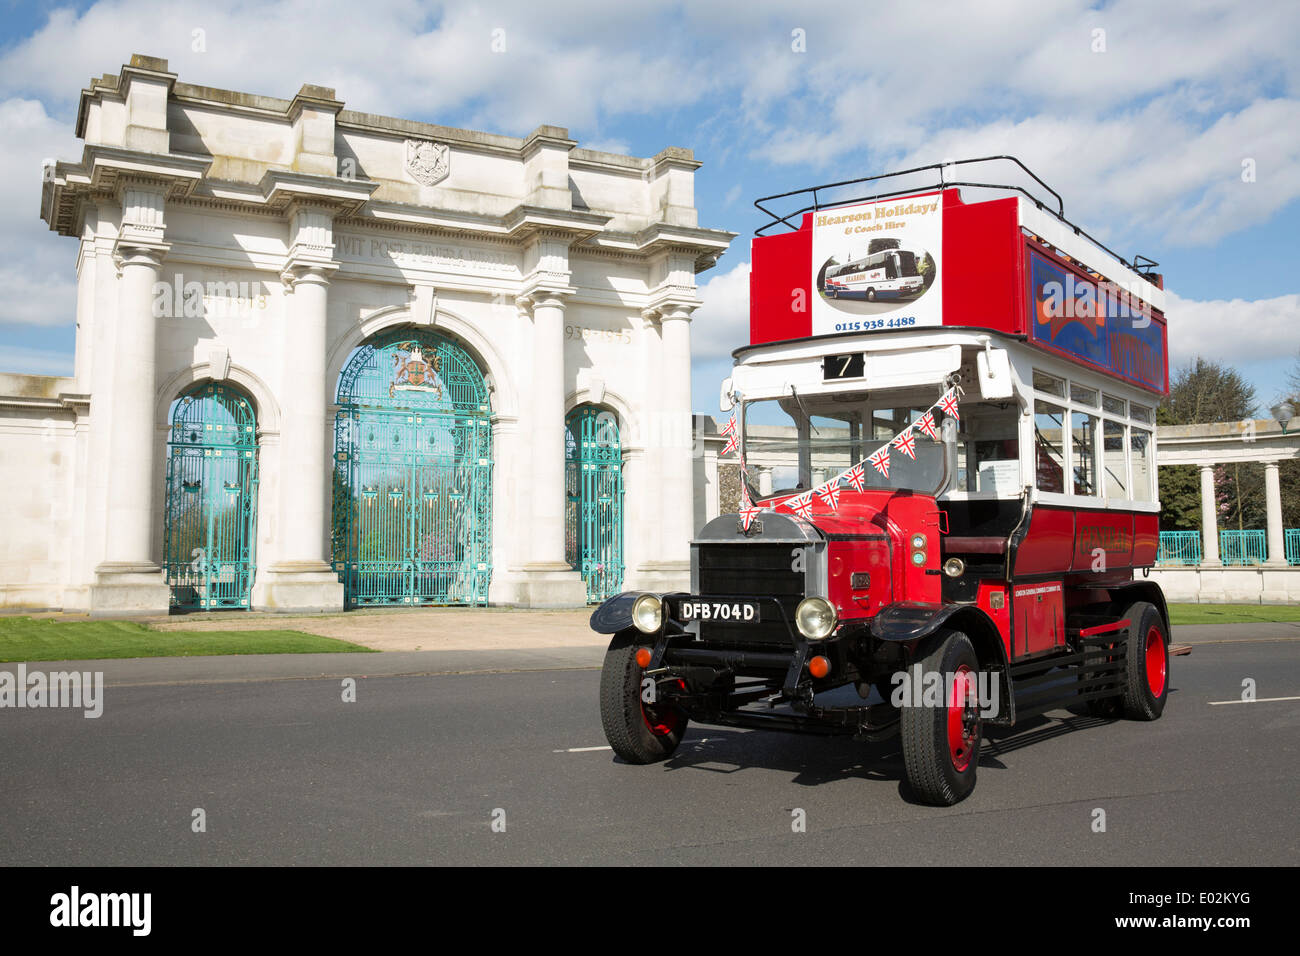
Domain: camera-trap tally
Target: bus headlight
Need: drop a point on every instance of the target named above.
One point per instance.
(815, 618)
(648, 614)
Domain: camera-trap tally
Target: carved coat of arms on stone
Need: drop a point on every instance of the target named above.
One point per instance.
(428, 163)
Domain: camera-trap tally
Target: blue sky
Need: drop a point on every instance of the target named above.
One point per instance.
(1140, 114)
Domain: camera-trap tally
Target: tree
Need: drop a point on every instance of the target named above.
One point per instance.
(1201, 392)
(1204, 391)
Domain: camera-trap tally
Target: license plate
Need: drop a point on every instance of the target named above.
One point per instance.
(740, 612)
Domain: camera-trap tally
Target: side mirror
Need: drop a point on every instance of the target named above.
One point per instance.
(994, 368)
(724, 398)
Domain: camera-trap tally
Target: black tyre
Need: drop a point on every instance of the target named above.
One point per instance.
(1146, 685)
(871, 295)
(941, 745)
(639, 732)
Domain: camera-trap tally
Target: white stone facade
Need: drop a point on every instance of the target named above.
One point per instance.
(568, 275)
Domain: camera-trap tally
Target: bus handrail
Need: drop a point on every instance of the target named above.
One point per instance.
(1140, 264)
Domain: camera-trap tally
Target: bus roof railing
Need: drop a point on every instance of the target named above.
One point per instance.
(1140, 264)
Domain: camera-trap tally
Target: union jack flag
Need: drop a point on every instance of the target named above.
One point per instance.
(926, 424)
(880, 460)
(856, 476)
(801, 504)
(906, 443)
(747, 516)
(830, 493)
(730, 427)
(732, 444)
(948, 404)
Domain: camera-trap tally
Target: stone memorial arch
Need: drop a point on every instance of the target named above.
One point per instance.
(236, 253)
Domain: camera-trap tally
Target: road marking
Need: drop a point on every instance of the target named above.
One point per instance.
(1262, 700)
(581, 750)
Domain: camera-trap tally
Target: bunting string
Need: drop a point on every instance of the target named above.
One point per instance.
(828, 493)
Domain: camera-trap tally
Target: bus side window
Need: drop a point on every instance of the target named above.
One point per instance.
(1049, 443)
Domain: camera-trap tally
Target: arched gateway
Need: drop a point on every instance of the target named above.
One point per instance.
(593, 480)
(211, 501)
(412, 474)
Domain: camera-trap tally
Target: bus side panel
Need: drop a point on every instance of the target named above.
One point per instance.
(1146, 539)
(1048, 546)
(1000, 615)
(780, 293)
(1039, 610)
(1107, 532)
(983, 266)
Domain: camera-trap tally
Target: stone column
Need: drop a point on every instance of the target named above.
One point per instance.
(128, 581)
(301, 579)
(675, 402)
(549, 581)
(547, 518)
(1273, 506)
(1209, 519)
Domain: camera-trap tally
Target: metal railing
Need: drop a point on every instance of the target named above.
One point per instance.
(1292, 545)
(1243, 547)
(1179, 547)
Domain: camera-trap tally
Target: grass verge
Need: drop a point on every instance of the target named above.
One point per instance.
(1231, 613)
(47, 639)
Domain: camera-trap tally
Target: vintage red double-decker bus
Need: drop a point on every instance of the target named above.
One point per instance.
(945, 496)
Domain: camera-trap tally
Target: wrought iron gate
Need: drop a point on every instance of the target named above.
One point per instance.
(593, 478)
(211, 501)
(412, 474)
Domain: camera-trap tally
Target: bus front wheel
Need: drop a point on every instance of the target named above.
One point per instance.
(941, 742)
(871, 295)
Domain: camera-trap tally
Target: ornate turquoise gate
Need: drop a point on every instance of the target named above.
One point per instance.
(211, 502)
(412, 474)
(593, 478)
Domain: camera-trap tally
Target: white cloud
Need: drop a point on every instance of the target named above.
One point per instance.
(722, 322)
(608, 146)
(36, 299)
(1233, 331)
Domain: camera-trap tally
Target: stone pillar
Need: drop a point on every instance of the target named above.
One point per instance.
(128, 581)
(674, 402)
(1273, 506)
(548, 579)
(1209, 519)
(301, 579)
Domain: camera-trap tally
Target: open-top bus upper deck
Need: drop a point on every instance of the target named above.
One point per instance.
(1012, 265)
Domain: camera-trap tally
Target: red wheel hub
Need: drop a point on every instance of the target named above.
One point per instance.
(1157, 664)
(963, 718)
(662, 719)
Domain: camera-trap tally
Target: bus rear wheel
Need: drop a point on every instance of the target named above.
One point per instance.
(941, 744)
(871, 295)
(1146, 663)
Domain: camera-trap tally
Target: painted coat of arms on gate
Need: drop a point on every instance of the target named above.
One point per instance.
(428, 163)
(412, 372)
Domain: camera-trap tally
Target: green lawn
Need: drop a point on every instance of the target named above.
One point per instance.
(47, 639)
(1231, 613)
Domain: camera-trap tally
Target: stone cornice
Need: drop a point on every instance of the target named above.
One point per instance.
(284, 188)
(100, 175)
(705, 246)
(524, 222)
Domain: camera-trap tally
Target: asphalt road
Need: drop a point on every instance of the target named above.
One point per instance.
(286, 772)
